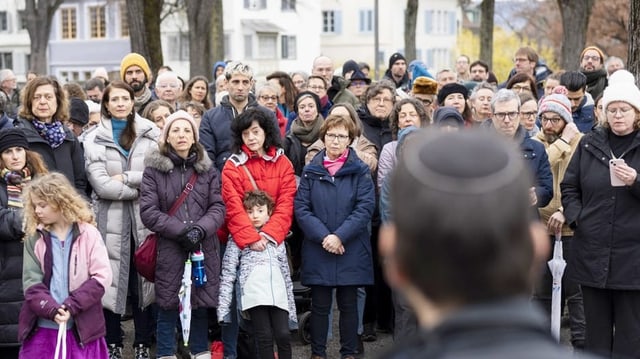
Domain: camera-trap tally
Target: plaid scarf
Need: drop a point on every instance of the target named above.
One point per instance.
(15, 181)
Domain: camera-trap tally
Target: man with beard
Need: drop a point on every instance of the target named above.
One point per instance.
(582, 105)
(592, 66)
(397, 72)
(135, 71)
(560, 137)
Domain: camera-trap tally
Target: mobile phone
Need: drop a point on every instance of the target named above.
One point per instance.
(615, 181)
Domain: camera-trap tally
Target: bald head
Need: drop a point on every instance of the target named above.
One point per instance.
(323, 67)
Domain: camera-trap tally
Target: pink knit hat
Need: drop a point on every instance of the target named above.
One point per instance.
(179, 115)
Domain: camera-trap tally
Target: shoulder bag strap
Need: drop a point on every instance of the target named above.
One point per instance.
(185, 192)
(253, 182)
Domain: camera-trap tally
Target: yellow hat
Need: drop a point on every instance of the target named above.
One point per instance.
(594, 48)
(134, 59)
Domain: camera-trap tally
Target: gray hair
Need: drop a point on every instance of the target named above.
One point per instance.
(482, 86)
(5, 74)
(504, 95)
(266, 86)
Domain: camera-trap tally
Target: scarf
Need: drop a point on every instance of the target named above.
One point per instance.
(334, 165)
(15, 181)
(138, 102)
(307, 134)
(52, 132)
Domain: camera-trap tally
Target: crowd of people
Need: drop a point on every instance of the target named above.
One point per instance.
(411, 202)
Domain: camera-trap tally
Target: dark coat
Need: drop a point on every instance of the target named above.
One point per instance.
(215, 129)
(163, 180)
(374, 129)
(343, 205)
(606, 219)
(68, 158)
(537, 159)
(11, 246)
(495, 330)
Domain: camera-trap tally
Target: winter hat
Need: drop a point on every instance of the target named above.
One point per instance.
(12, 137)
(304, 94)
(179, 115)
(557, 103)
(418, 68)
(395, 57)
(448, 89)
(349, 66)
(621, 76)
(78, 111)
(134, 59)
(424, 86)
(447, 116)
(594, 48)
(358, 75)
(621, 90)
(218, 64)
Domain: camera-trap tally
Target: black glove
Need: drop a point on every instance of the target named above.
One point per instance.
(190, 239)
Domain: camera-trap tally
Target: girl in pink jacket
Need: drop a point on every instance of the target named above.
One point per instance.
(65, 272)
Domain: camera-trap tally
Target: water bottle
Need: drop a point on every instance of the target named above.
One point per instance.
(197, 268)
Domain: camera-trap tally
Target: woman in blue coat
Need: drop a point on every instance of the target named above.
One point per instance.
(333, 206)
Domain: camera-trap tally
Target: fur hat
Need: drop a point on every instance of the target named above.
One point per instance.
(78, 111)
(134, 59)
(621, 89)
(557, 103)
(448, 89)
(179, 115)
(304, 94)
(424, 86)
(395, 57)
(447, 116)
(594, 48)
(12, 137)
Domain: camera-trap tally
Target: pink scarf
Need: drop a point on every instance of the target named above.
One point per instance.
(334, 165)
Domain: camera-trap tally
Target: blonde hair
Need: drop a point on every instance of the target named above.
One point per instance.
(57, 191)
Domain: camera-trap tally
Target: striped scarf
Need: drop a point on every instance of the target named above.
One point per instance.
(15, 181)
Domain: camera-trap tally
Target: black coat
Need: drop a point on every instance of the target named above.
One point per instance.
(606, 219)
(11, 297)
(68, 158)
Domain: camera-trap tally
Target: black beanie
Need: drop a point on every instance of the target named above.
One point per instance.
(304, 94)
(12, 137)
(78, 111)
(349, 66)
(395, 57)
(448, 89)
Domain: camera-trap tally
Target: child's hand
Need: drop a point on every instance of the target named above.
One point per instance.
(62, 316)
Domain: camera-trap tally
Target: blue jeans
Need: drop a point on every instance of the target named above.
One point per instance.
(321, 300)
(198, 337)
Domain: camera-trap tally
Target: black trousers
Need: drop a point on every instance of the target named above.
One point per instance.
(271, 322)
(613, 322)
(378, 306)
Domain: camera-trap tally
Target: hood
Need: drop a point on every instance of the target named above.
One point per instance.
(165, 164)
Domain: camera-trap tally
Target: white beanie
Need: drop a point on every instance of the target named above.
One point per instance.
(622, 89)
(179, 115)
(557, 103)
(621, 76)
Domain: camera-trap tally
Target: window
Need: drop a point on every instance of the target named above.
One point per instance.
(248, 46)
(98, 22)
(6, 60)
(331, 22)
(288, 5)
(87, 75)
(68, 20)
(366, 21)
(255, 4)
(22, 20)
(4, 21)
(267, 46)
(124, 22)
(178, 47)
(440, 22)
(288, 47)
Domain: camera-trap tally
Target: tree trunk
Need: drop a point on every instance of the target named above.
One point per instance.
(410, 20)
(487, 9)
(633, 62)
(39, 17)
(217, 35)
(144, 30)
(199, 14)
(575, 20)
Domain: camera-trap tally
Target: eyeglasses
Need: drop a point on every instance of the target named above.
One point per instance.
(379, 99)
(554, 120)
(593, 58)
(426, 101)
(164, 86)
(269, 98)
(501, 115)
(520, 88)
(521, 59)
(622, 110)
(316, 87)
(528, 114)
(333, 137)
(358, 83)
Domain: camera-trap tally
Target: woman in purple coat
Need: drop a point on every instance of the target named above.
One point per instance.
(193, 227)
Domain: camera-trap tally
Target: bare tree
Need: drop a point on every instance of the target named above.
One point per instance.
(487, 8)
(410, 21)
(144, 29)
(633, 62)
(217, 32)
(39, 15)
(575, 20)
(199, 17)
